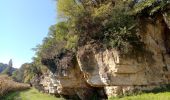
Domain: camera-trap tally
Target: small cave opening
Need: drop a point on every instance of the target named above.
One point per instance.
(91, 93)
(99, 93)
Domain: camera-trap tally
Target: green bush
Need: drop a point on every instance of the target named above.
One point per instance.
(150, 6)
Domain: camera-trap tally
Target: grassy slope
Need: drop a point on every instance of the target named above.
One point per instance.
(147, 96)
(31, 94)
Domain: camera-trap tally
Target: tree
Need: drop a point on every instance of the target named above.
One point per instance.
(10, 64)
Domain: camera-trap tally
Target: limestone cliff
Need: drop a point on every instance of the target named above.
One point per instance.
(98, 72)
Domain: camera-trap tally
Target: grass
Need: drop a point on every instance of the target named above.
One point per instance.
(29, 94)
(33, 94)
(146, 96)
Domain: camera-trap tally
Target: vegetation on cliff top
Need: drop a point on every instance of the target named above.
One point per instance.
(113, 23)
(82, 21)
(150, 6)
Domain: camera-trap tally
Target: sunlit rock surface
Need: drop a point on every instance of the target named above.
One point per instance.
(95, 71)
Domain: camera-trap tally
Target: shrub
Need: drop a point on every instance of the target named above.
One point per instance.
(7, 85)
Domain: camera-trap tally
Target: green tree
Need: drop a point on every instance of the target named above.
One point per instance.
(10, 64)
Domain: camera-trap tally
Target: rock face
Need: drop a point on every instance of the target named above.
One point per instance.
(119, 73)
(68, 80)
(96, 72)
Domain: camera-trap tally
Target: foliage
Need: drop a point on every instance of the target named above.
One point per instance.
(121, 31)
(10, 63)
(59, 38)
(150, 6)
(69, 8)
(25, 73)
(14, 75)
(108, 22)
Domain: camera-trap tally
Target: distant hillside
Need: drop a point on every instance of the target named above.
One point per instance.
(7, 68)
(3, 67)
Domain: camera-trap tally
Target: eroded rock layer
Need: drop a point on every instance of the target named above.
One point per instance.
(95, 71)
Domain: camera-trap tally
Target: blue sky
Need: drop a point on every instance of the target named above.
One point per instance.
(23, 25)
